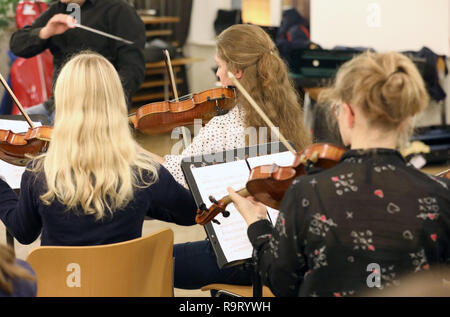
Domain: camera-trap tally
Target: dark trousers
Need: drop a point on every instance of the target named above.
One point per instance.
(196, 266)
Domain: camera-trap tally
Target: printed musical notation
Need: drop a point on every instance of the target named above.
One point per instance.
(214, 180)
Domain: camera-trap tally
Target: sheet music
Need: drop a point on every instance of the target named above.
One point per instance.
(232, 231)
(214, 180)
(281, 159)
(16, 126)
(13, 173)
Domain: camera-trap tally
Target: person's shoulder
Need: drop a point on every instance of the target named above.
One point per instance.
(25, 265)
(118, 3)
(439, 184)
(232, 117)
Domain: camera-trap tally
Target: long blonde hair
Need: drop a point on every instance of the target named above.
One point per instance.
(387, 87)
(93, 162)
(10, 271)
(265, 77)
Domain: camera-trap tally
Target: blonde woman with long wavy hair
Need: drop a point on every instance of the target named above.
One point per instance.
(95, 184)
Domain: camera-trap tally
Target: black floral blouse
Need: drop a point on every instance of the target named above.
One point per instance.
(357, 227)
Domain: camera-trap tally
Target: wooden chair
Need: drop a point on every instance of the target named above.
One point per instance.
(236, 290)
(139, 267)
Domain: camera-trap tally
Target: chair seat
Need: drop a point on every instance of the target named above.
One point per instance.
(236, 290)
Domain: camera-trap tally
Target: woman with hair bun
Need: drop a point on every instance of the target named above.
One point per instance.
(372, 218)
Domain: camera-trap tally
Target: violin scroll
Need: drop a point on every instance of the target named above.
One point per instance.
(205, 215)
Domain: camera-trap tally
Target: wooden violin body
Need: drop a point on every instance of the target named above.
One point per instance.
(163, 117)
(15, 147)
(268, 183)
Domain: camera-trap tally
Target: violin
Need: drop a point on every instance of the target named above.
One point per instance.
(15, 148)
(268, 183)
(164, 116)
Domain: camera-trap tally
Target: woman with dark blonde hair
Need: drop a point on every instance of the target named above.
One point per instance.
(370, 220)
(249, 53)
(95, 184)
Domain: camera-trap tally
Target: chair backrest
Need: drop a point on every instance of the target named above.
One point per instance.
(139, 267)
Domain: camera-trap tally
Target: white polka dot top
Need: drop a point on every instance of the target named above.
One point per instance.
(221, 133)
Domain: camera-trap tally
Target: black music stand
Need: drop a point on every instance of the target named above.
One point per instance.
(188, 163)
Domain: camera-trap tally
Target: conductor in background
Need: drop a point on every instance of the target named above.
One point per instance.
(55, 30)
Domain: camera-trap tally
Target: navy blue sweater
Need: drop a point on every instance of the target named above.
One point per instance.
(27, 217)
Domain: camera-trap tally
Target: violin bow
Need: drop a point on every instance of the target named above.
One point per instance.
(19, 105)
(175, 92)
(261, 113)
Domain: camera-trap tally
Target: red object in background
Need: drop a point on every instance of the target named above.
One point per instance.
(27, 11)
(31, 78)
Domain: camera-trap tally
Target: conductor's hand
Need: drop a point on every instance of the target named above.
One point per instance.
(58, 24)
(250, 209)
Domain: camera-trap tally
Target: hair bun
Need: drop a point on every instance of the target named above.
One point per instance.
(391, 90)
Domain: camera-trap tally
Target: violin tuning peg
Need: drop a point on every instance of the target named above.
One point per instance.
(216, 221)
(225, 213)
(213, 200)
(202, 207)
